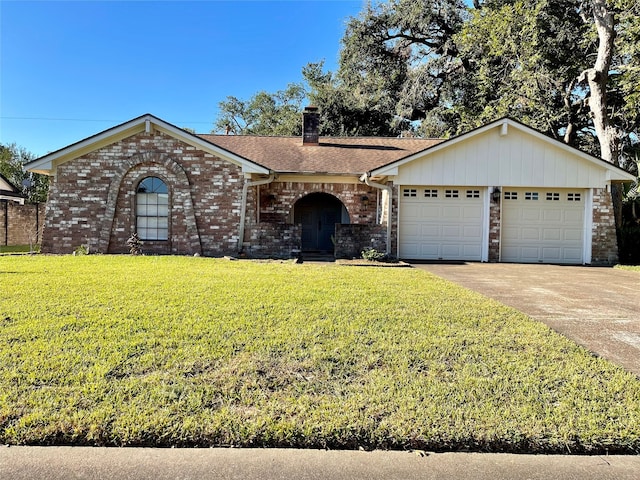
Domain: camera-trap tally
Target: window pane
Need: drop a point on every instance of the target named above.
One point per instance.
(152, 209)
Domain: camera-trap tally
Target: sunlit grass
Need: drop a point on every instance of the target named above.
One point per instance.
(118, 350)
(635, 268)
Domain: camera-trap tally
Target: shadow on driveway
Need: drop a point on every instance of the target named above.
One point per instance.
(595, 307)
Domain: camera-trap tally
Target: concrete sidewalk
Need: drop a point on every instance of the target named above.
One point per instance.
(86, 463)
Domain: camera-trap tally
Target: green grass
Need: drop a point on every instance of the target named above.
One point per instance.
(18, 248)
(178, 351)
(635, 268)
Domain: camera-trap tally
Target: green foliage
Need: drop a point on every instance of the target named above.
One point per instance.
(265, 113)
(12, 161)
(81, 250)
(373, 255)
(183, 351)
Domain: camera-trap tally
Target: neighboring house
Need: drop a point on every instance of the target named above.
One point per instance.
(8, 192)
(20, 222)
(503, 192)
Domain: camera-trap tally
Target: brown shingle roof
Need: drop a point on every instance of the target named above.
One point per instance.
(334, 155)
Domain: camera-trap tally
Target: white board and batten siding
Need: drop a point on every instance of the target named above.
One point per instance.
(442, 223)
(517, 159)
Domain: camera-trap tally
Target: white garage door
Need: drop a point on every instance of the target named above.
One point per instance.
(542, 225)
(441, 223)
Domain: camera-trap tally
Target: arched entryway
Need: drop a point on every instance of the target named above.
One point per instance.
(318, 214)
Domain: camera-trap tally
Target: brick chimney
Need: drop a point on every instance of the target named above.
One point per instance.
(310, 126)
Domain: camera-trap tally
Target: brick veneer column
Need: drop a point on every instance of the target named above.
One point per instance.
(604, 241)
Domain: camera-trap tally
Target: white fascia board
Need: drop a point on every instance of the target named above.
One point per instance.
(48, 163)
(616, 174)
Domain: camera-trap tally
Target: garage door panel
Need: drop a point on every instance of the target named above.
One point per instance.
(571, 235)
(449, 228)
(428, 211)
(452, 231)
(573, 255)
(429, 250)
(529, 215)
(552, 215)
(411, 230)
(451, 213)
(434, 231)
(552, 254)
(572, 216)
(550, 234)
(472, 231)
(549, 229)
(529, 234)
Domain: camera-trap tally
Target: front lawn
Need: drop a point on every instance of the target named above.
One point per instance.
(18, 249)
(179, 351)
(635, 268)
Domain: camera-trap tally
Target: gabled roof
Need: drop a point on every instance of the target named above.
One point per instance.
(334, 155)
(615, 173)
(8, 191)
(48, 163)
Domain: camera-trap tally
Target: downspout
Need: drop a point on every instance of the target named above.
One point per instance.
(243, 208)
(365, 178)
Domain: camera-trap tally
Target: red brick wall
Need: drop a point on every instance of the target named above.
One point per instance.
(21, 224)
(286, 194)
(495, 213)
(93, 202)
(93, 198)
(604, 249)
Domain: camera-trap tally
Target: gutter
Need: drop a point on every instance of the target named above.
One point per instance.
(243, 208)
(366, 179)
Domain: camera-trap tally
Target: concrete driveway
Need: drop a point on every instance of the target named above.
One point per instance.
(598, 308)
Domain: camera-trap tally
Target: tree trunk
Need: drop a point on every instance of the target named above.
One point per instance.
(597, 78)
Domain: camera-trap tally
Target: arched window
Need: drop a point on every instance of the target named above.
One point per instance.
(152, 209)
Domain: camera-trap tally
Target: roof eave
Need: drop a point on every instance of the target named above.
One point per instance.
(48, 164)
(616, 174)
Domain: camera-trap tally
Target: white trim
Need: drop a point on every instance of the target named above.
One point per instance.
(10, 198)
(48, 163)
(615, 173)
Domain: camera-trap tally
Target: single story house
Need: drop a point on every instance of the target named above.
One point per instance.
(500, 193)
(8, 192)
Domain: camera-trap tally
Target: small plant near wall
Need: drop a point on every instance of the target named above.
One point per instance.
(373, 255)
(81, 250)
(135, 244)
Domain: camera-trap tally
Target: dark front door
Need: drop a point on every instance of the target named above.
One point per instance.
(318, 214)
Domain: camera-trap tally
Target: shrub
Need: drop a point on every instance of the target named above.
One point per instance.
(373, 255)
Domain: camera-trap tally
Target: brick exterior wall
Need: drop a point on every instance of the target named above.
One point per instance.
(286, 194)
(93, 202)
(21, 224)
(93, 198)
(604, 249)
(495, 212)
(352, 239)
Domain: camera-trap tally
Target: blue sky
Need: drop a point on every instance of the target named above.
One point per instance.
(71, 69)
